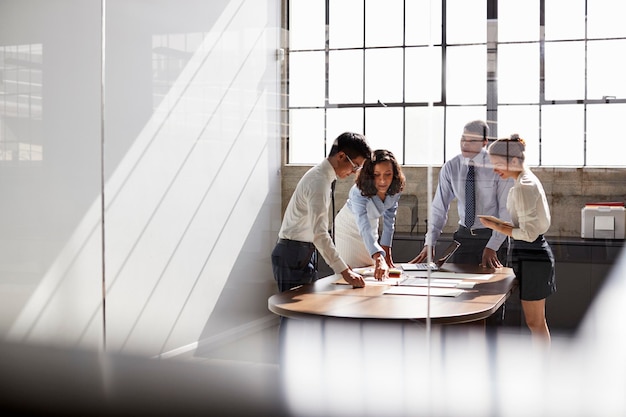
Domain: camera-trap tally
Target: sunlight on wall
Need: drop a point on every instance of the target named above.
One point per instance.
(179, 206)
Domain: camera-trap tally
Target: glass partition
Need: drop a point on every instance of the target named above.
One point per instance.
(140, 162)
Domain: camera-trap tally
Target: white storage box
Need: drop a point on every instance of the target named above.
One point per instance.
(602, 222)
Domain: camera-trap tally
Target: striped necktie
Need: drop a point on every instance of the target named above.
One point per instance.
(470, 196)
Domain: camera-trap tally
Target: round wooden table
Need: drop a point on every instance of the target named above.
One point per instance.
(327, 298)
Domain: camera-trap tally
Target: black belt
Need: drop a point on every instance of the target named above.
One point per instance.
(474, 232)
(290, 242)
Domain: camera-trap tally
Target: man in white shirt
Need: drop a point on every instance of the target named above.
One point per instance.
(306, 221)
(479, 245)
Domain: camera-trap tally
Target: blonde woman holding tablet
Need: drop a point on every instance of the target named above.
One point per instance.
(531, 256)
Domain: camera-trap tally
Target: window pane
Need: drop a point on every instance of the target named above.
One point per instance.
(306, 136)
(518, 20)
(423, 22)
(518, 73)
(345, 76)
(466, 21)
(573, 70)
(307, 24)
(523, 120)
(423, 136)
(606, 68)
(384, 22)
(466, 81)
(562, 138)
(605, 18)
(605, 127)
(306, 79)
(345, 24)
(383, 75)
(456, 119)
(564, 70)
(423, 74)
(559, 25)
(343, 120)
(383, 129)
(21, 104)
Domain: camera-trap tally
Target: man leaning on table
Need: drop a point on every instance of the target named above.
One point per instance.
(479, 245)
(305, 223)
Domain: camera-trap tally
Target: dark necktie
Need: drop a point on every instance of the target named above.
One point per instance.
(332, 199)
(470, 199)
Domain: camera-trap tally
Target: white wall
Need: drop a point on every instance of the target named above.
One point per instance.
(184, 152)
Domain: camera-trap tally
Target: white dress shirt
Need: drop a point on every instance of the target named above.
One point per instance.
(529, 208)
(306, 216)
(491, 196)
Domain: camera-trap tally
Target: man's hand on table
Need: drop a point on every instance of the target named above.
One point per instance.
(353, 278)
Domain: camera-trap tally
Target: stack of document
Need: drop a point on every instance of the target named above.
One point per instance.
(441, 283)
(435, 283)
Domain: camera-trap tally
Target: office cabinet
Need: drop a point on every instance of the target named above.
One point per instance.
(582, 267)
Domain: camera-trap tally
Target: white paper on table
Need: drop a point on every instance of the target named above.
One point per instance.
(441, 283)
(374, 281)
(453, 275)
(436, 292)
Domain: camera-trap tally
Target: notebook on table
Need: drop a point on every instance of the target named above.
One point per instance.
(436, 265)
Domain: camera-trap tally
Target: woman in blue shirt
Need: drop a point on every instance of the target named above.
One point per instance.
(375, 193)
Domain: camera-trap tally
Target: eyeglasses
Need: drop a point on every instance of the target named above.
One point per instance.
(355, 167)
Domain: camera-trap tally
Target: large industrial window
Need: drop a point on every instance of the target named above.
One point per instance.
(410, 73)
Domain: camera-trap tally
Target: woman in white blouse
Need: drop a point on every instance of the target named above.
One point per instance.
(531, 256)
(375, 194)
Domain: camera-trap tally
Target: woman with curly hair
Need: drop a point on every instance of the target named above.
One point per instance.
(375, 194)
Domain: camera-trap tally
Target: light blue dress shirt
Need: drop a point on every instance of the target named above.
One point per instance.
(366, 209)
(491, 196)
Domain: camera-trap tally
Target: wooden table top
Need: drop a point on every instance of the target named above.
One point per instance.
(328, 299)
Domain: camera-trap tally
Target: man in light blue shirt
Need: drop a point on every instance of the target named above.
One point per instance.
(479, 245)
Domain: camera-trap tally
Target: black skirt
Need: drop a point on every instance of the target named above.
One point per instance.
(533, 265)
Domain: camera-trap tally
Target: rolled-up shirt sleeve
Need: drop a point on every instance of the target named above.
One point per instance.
(389, 222)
